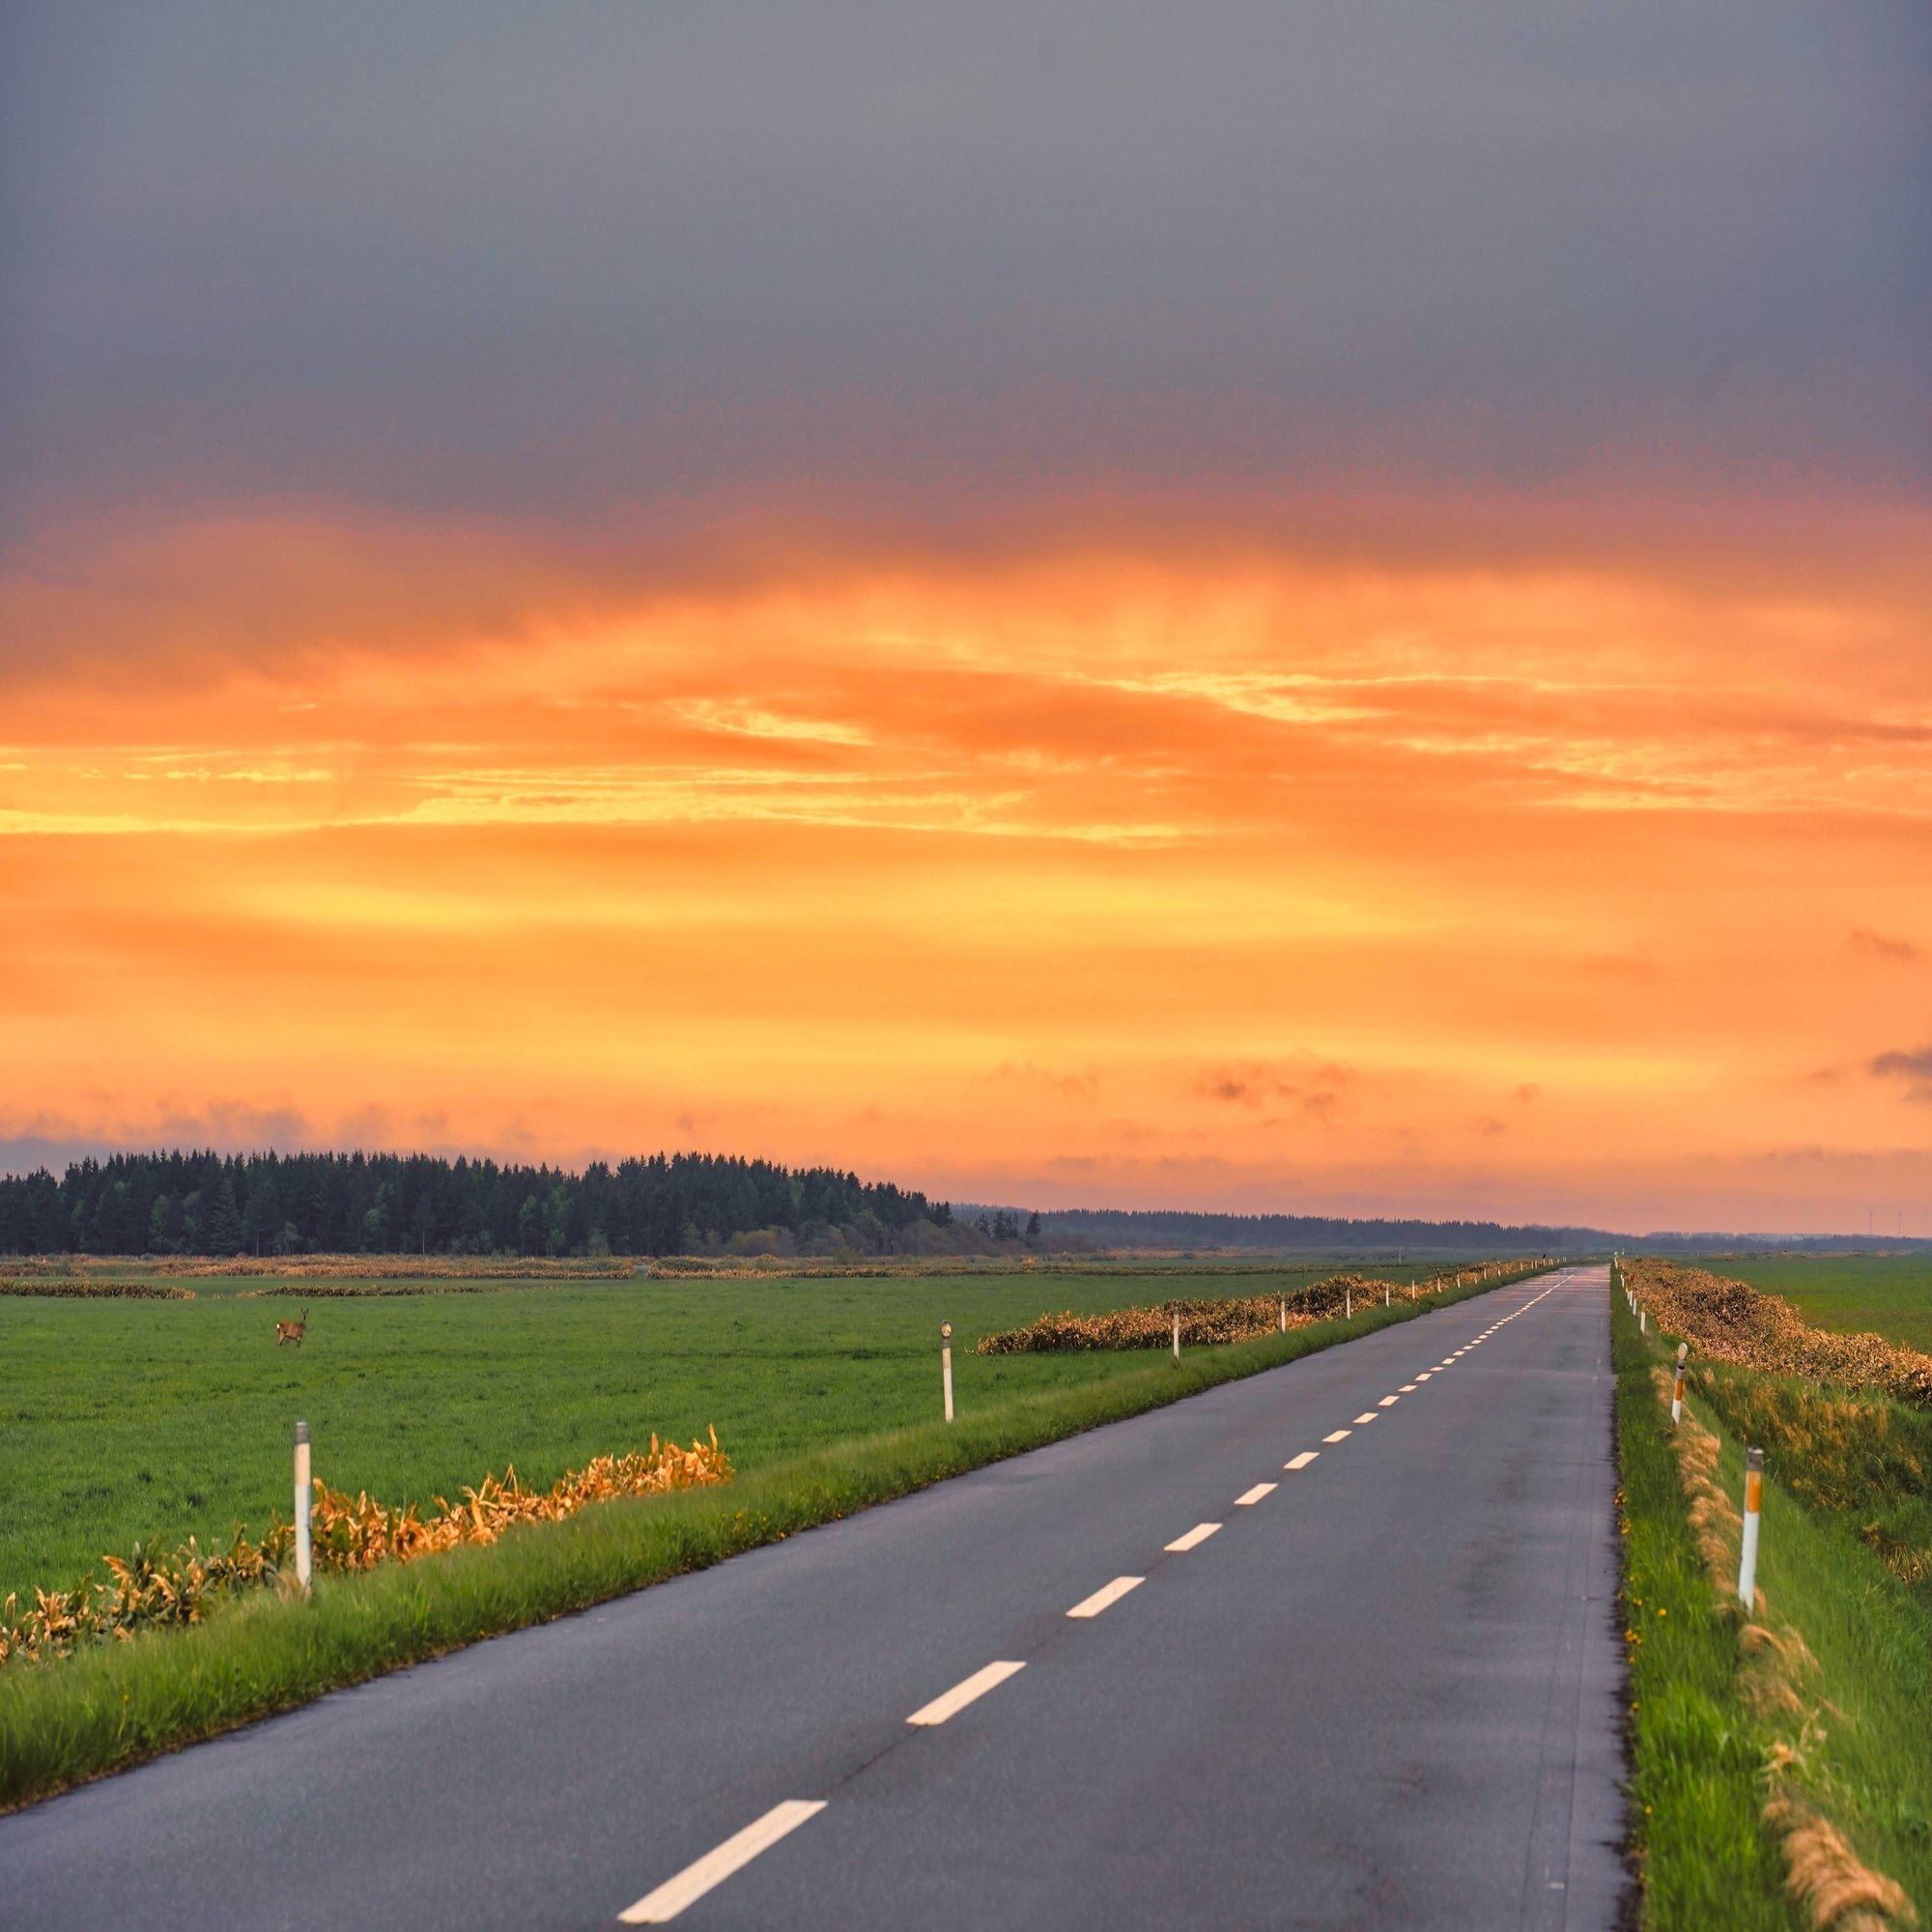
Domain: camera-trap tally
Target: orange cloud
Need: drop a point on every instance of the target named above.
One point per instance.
(1100, 868)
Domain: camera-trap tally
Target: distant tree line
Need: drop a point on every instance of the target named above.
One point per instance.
(209, 1204)
(1171, 1229)
(1316, 1234)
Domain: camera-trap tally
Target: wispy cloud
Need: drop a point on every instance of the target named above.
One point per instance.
(1881, 945)
(1913, 1067)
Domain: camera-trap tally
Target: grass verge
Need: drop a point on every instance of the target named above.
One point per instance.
(1783, 1764)
(106, 1709)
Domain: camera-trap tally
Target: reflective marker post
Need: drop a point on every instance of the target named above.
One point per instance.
(1283, 1315)
(304, 1501)
(1176, 1334)
(1753, 1503)
(1677, 1388)
(946, 1364)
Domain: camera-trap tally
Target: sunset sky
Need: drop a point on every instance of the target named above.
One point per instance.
(1310, 609)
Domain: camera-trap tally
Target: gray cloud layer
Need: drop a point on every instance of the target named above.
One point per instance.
(549, 258)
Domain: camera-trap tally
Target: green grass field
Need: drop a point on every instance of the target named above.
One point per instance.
(1851, 1295)
(130, 1420)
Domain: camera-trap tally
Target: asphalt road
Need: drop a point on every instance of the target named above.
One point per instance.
(1383, 1693)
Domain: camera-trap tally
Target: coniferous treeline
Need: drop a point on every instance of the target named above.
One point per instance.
(210, 1204)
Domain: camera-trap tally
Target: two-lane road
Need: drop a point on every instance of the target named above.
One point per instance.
(1332, 1646)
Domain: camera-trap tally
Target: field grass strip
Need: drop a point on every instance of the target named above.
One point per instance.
(1765, 1780)
(105, 1709)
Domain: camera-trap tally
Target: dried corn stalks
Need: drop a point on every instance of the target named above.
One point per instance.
(1731, 1321)
(1203, 1323)
(155, 1589)
(149, 1588)
(65, 1288)
(358, 1534)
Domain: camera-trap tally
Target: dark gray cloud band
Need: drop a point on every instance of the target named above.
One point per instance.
(551, 259)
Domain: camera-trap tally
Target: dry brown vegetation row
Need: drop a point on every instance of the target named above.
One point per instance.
(153, 1587)
(1203, 1324)
(329, 1267)
(1731, 1321)
(63, 1288)
(1823, 1871)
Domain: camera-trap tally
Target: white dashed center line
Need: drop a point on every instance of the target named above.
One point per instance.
(670, 1898)
(661, 1906)
(1103, 1599)
(962, 1694)
(1199, 1534)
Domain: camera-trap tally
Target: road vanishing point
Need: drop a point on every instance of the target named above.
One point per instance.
(1332, 1646)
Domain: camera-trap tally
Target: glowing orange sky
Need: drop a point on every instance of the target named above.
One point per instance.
(1493, 879)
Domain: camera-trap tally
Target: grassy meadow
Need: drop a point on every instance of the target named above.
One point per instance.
(128, 1420)
(1851, 1295)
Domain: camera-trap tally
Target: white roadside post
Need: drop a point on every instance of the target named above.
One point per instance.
(1348, 1304)
(1754, 1502)
(946, 1364)
(304, 1501)
(1176, 1334)
(1283, 1315)
(1385, 1295)
(1642, 1325)
(1677, 1388)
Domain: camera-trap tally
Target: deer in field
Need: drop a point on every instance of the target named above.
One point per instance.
(292, 1331)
